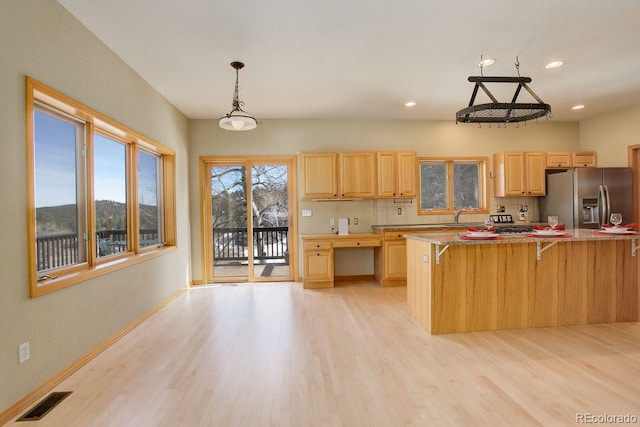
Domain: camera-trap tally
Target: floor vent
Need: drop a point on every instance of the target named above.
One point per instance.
(47, 404)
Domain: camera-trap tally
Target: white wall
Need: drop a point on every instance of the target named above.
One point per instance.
(40, 39)
(427, 138)
(610, 135)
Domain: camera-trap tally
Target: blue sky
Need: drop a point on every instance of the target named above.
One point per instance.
(55, 162)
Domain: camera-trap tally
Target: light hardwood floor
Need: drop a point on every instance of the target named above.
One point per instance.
(275, 354)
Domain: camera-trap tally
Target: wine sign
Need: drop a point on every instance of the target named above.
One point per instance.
(502, 219)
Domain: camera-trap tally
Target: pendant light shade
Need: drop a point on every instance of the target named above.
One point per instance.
(237, 119)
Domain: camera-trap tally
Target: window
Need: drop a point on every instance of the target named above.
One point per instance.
(59, 194)
(110, 194)
(447, 184)
(149, 201)
(82, 192)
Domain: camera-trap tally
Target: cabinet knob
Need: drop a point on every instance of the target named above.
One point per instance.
(317, 246)
(358, 243)
(559, 164)
(343, 195)
(394, 194)
(523, 192)
(399, 235)
(317, 254)
(335, 195)
(401, 194)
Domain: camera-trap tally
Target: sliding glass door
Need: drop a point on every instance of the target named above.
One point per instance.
(249, 215)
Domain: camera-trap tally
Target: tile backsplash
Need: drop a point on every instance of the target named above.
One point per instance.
(385, 211)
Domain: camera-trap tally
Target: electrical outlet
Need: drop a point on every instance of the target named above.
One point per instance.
(399, 211)
(332, 222)
(307, 212)
(355, 221)
(24, 352)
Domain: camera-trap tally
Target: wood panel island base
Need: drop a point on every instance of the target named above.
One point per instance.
(456, 285)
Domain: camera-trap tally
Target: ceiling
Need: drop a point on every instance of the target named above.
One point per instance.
(366, 58)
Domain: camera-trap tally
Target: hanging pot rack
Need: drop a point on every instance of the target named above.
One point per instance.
(502, 112)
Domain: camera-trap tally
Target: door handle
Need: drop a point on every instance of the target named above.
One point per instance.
(602, 206)
(606, 194)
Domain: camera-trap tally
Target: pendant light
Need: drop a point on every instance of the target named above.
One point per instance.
(237, 119)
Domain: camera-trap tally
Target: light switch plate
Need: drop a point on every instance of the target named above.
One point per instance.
(307, 212)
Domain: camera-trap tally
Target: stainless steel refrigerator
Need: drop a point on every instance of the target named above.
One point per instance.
(586, 197)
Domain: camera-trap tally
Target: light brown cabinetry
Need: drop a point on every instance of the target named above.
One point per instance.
(396, 174)
(519, 174)
(570, 159)
(318, 263)
(329, 175)
(390, 259)
(504, 286)
(559, 160)
(318, 253)
(584, 159)
(357, 172)
(319, 175)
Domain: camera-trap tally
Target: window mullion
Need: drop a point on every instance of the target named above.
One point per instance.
(89, 202)
(132, 202)
(450, 187)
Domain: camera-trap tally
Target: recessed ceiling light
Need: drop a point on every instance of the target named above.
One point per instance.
(554, 64)
(487, 62)
(577, 107)
(410, 104)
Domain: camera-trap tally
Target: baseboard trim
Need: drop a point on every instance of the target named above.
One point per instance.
(354, 278)
(17, 408)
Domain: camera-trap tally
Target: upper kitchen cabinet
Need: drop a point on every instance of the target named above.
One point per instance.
(357, 172)
(519, 174)
(559, 159)
(319, 171)
(345, 175)
(570, 159)
(396, 174)
(584, 159)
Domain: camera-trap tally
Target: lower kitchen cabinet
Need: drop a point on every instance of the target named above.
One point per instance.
(390, 259)
(395, 260)
(318, 264)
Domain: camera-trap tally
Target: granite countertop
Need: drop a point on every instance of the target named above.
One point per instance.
(577, 235)
(462, 225)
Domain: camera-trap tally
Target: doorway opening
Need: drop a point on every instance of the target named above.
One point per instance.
(249, 222)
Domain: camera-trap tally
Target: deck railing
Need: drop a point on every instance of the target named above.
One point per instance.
(62, 249)
(269, 243)
(229, 244)
(56, 250)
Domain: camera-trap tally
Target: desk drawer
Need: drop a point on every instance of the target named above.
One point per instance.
(354, 242)
(311, 245)
(395, 235)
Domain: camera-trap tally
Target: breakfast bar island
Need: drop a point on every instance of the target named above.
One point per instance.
(521, 281)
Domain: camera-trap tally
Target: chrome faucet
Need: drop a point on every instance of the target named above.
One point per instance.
(456, 214)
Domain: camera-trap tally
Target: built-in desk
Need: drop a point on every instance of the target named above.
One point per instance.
(318, 255)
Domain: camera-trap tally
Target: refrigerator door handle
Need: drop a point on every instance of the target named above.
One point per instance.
(602, 206)
(605, 220)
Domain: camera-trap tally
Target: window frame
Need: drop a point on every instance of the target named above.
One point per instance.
(44, 97)
(130, 211)
(160, 201)
(449, 162)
